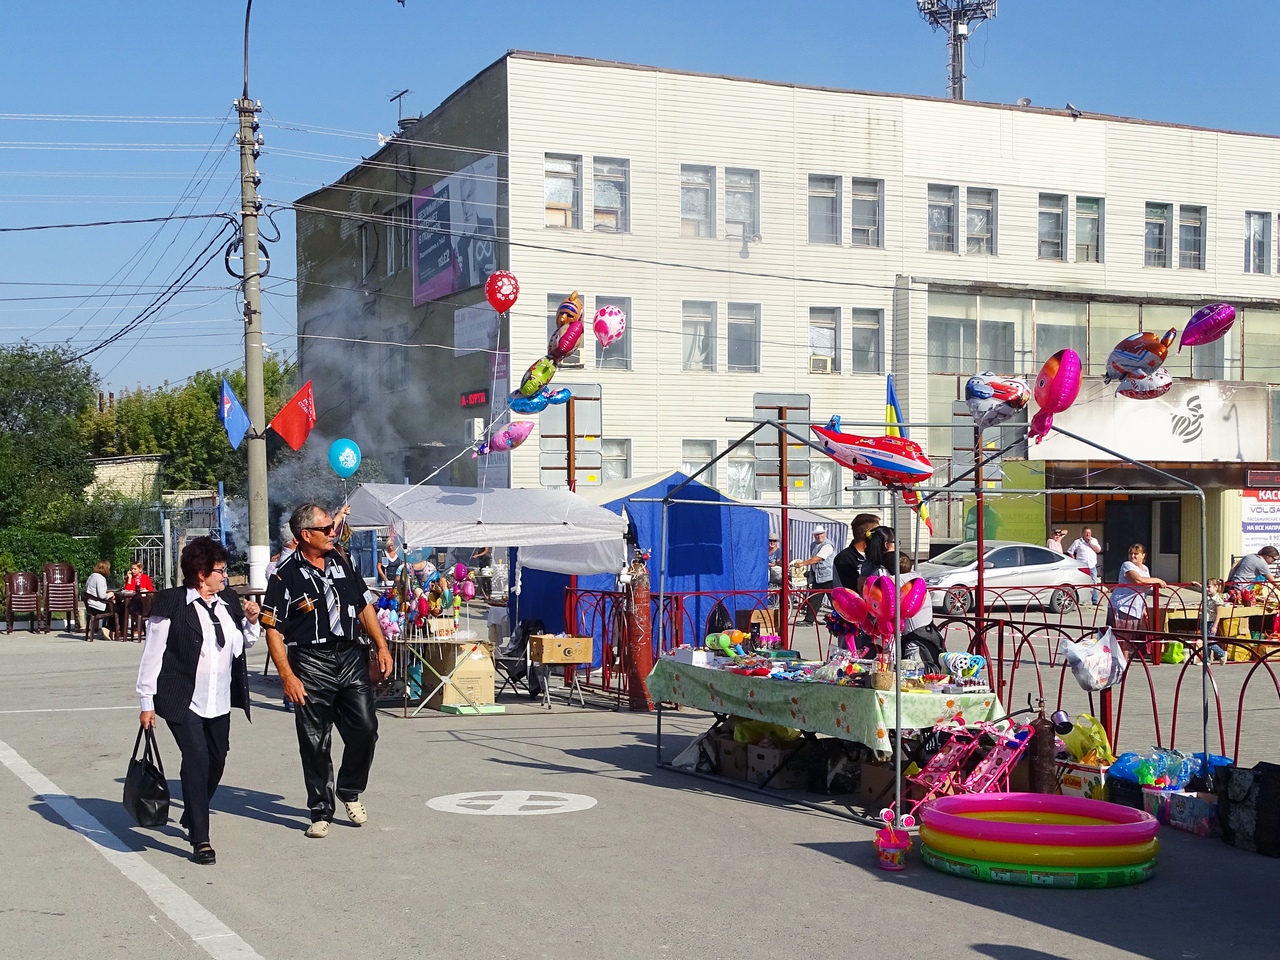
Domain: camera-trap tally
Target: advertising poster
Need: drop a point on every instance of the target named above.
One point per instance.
(1259, 519)
(455, 231)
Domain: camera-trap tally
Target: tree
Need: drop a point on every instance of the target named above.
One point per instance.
(44, 394)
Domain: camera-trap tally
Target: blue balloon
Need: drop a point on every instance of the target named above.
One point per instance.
(535, 404)
(344, 457)
(557, 396)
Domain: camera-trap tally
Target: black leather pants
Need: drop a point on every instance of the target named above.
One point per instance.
(338, 692)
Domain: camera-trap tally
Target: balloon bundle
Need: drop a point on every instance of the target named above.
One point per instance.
(1138, 360)
(533, 395)
(873, 611)
(389, 620)
(464, 584)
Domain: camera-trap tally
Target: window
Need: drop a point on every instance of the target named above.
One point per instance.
(1051, 233)
(610, 182)
(867, 329)
(1257, 242)
(697, 201)
(1155, 242)
(824, 209)
(743, 330)
(980, 222)
(1088, 230)
(741, 464)
(742, 203)
(368, 250)
(824, 339)
(1261, 329)
(399, 239)
(867, 212)
(1005, 326)
(553, 304)
(1191, 238)
(942, 218)
(615, 460)
(824, 483)
(562, 190)
(696, 454)
(953, 333)
(698, 335)
(1061, 325)
(1109, 323)
(618, 354)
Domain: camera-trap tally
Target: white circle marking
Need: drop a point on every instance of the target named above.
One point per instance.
(512, 803)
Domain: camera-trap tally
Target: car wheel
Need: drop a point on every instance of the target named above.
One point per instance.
(957, 600)
(1063, 600)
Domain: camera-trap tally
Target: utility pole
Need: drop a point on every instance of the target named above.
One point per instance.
(250, 141)
(957, 17)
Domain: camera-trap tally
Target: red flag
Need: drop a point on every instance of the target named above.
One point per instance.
(296, 418)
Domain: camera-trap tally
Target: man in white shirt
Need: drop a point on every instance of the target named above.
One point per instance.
(821, 557)
(1086, 549)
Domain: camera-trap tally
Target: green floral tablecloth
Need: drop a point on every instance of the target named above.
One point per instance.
(852, 713)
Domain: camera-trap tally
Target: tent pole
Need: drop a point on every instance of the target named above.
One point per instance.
(662, 576)
(897, 666)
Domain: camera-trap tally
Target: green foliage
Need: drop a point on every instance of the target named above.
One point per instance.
(182, 424)
(23, 549)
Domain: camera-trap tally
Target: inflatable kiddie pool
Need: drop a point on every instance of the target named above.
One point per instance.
(1039, 840)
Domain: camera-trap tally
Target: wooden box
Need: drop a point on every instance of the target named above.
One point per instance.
(544, 648)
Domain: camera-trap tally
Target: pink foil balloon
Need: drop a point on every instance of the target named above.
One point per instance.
(881, 596)
(1058, 384)
(1207, 325)
(459, 571)
(850, 607)
(508, 438)
(1040, 425)
(565, 340)
(467, 590)
(609, 324)
(913, 598)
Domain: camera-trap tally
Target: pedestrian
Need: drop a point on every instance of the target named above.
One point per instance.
(1255, 568)
(311, 610)
(193, 672)
(848, 562)
(1129, 598)
(821, 557)
(1086, 549)
(1054, 542)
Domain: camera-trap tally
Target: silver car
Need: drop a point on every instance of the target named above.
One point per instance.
(1014, 573)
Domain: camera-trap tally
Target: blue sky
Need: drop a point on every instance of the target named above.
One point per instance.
(324, 70)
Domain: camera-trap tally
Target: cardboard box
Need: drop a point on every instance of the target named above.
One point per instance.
(763, 760)
(731, 758)
(471, 662)
(695, 656)
(875, 785)
(544, 648)
(1195, 813)
(1082, 780)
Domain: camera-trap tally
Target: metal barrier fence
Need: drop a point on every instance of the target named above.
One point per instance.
(1020, 641)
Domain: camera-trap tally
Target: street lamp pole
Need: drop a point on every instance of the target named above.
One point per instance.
(250, 141)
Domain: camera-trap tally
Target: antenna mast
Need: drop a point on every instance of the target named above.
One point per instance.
(957, 17)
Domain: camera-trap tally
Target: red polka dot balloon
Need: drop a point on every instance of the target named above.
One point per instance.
(501, 289)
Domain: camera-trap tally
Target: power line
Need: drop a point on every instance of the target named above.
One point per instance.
(118, 223)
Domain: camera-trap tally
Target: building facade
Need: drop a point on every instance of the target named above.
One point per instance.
(776, 244)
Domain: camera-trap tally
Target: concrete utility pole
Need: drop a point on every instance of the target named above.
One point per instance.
(250, 141)
(957, 17)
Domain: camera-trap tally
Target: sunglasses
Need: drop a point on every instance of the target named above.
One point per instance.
(325, 530)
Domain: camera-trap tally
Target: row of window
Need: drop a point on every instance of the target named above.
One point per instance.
(1172, 233)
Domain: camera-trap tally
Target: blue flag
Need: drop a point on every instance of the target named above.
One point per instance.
(232, 415)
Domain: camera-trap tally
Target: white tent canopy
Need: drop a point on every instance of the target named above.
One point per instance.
(555, 529)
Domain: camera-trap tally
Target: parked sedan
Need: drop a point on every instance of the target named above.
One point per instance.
(1013, 573)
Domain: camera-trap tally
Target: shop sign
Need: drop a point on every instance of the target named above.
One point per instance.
(1197, 421)
(475, 398)
(1259, 519)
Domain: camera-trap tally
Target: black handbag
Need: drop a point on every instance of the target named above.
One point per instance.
(146, 791)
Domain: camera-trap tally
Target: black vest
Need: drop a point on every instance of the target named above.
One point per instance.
(177, 681)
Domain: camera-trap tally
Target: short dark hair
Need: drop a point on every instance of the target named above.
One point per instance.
(303, 517)
(198, 557)
(861, 524)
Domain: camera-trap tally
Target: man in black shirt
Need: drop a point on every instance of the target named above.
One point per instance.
(848, 561)
(313, 603)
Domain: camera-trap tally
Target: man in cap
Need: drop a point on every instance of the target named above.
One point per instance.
(821, 557)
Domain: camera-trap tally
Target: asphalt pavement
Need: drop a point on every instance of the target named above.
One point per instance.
(659, 865)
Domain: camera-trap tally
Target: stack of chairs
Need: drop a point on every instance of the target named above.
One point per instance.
(61, 595)
(22, 597)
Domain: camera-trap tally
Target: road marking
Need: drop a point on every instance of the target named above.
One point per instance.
(512, 803)
(65, 709)
(206, 931)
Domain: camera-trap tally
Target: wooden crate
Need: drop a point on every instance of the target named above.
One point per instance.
(544, 648)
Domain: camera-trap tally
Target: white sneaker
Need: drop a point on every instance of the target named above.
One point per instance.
(318, 830)
(355, 812)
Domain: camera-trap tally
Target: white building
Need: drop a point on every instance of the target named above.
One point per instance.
(777, 239)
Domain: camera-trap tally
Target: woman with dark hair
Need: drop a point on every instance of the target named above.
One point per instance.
(921, 640)
(98, 598)
(193, 672)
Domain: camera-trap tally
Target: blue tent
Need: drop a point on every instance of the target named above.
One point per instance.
(712, 550)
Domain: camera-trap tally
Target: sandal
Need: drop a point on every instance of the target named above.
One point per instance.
(203, 854)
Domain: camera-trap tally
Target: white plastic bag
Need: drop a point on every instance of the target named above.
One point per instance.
(1097, 663)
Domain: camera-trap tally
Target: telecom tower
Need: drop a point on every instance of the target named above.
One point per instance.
(957, 17)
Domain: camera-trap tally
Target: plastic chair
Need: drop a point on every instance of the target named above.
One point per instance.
(22, 598)
(61, 595)
(94, 619)
(136, 614)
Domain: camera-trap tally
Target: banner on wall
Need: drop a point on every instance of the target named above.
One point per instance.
(1200, 421)
(455, 243)
(475, 329)
(1259, 519)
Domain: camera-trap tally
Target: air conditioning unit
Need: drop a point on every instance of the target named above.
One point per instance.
(473, 429)
(821, 364)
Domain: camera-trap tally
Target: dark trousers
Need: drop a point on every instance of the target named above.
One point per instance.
(338, 693)
(813, 605)
(203, 743)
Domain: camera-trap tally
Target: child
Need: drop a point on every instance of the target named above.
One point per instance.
(1213, 599)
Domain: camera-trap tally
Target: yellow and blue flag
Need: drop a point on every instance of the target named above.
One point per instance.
(896, 428)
